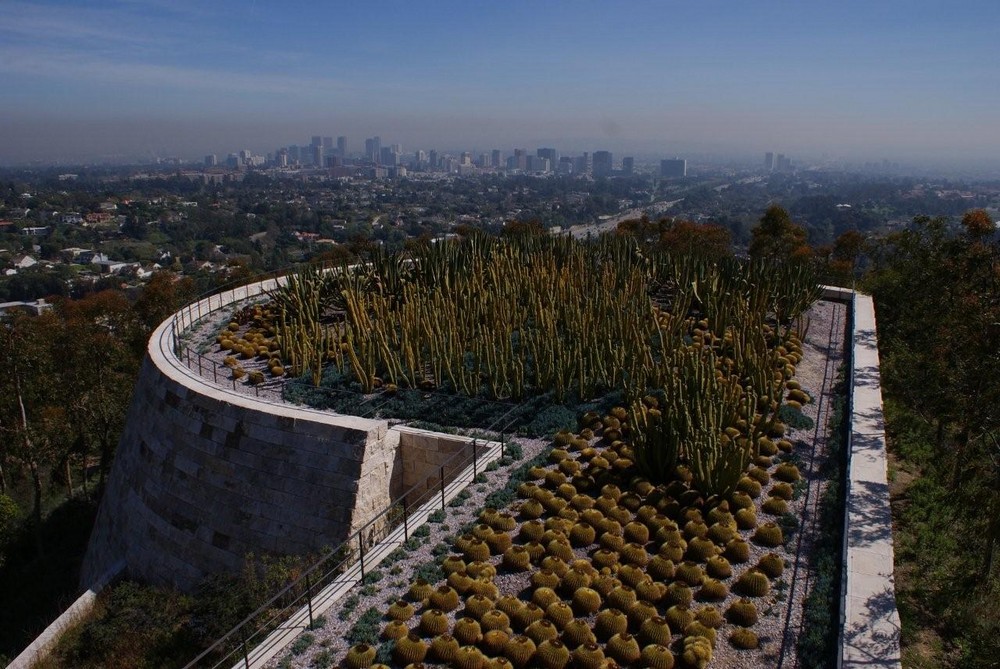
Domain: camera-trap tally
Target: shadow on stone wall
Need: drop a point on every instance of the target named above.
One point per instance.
(876, 642)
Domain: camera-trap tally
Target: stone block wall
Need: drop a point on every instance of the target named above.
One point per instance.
(203, 476)
(422, 455)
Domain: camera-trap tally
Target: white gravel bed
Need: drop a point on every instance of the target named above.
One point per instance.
(396, 579)
(781, 611)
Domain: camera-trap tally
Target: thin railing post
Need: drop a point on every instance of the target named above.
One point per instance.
(243, 641)
(475, 460)
(442, 487)
(309, 600)
(406, 522)
(199, 364)
(361, 552)
(215, 374)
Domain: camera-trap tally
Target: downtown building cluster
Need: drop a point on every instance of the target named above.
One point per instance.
(380, 160)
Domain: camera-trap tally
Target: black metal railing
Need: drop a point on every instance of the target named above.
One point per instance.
(408, 511)
(336, 566)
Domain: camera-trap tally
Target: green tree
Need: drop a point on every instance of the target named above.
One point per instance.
(776, 237)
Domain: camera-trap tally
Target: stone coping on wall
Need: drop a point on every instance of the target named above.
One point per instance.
(870, 627)
(162, 352)
(43, 644)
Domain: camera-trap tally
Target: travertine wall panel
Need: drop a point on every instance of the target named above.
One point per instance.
(204, 476)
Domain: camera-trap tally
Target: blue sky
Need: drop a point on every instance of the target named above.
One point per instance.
(887, 78)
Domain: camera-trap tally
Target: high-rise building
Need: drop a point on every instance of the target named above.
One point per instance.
(782, 163)
(317, 155)
(769, 161)
(211, 160)
(581, 164)
(373, 149)
(387, 156)
(316, 141)
(603, 164)
(520, 159)
(628, 165)
(328, 142)
(538, 164)
(342, 146)
(495, 158)
(551, 154)
(673, 168)
(432, 160)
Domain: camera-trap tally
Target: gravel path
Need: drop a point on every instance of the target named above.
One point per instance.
(781, 623)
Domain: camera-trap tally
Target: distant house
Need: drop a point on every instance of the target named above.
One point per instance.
(114, 266)
(36, 307)
(97, 218)
(23, 261)
(88, 257)
(36, 231)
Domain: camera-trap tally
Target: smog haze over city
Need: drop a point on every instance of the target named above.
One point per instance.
(139, 79)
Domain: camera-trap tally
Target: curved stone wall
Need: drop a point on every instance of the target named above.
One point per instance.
(204, 475)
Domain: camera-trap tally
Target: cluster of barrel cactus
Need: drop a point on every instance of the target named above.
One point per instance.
(619, 570)
(258, 341)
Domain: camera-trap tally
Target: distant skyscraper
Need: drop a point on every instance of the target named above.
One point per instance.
(520, 159)
(373, 149)
(628, 165)
(328, 142)
(495, 158)
(211, 160)
(538, 164)
(581, 164)
(317, 155)
(316, 141)
(603, 164)
(342, 146)
(388, 157)
(432, 159)
(769, 161)
(673, 168)
(551, 154)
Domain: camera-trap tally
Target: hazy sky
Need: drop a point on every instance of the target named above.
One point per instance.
(902, 79)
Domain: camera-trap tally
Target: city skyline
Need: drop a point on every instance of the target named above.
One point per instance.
(912, 81)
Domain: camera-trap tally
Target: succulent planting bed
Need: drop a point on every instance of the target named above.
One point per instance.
(661, 530)
(619, 572)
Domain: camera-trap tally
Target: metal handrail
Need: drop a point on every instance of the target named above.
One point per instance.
(453, 464)
(321, 574)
